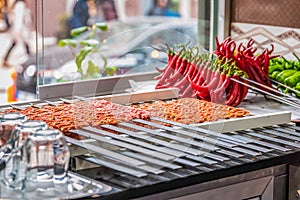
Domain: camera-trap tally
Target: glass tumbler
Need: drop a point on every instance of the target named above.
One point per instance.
(22, 131)
(13, 175)
(8, 122)
(47, 160)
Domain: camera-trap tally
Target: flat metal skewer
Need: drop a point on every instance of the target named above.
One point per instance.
(281, 84)
(280, 99)
(267, 87)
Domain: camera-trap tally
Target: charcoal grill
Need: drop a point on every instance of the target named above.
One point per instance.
(254, 157)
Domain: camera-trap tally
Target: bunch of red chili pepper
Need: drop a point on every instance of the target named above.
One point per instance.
(246, 58)
(203, 76)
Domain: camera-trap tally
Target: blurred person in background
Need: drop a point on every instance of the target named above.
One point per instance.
(109, 10)
(162, 8)
(20, 28)
(106, 10)
(80, 15)
(5, 12)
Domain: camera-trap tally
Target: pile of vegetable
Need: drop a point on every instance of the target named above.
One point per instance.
(286, 72)
(255, 65)
(217, 77)
(203, 76)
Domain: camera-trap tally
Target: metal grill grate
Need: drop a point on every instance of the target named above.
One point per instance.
(147, 152)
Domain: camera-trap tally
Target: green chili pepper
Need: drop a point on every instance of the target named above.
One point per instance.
(297, 87)
(285, 74)
(278, 60)
(276, 67)
(293, 80)
(287, 64)
(274, 74)
(297, 66)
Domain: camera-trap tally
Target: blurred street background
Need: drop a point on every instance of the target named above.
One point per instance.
(17, 57)
(6, 73)
(58, 17)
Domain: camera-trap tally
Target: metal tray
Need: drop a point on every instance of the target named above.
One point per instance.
(78, 186)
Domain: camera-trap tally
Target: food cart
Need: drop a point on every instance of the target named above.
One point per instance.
(120, 151)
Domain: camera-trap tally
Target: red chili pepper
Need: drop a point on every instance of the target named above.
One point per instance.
(271, 50)
(250, 43)
(182, 82)
(160, 70)
(201, 73)
(193, 70)
(240, 48)
(158, 77)
(224, 85)
(168, 71)
(213, 83)
(234, 93)
(208, 74)
(182, 88)
(200, 81)
(217, 51)
(203, 92)
(199, 70)
(178, 73)
(242, 94)
(188, 92)
(192, 66)
(230, 49)
(259, 74)
(254, 72)
(196, 76)
(207, 85)
(202, 96)
(213, 97)
(266, 63)
(179, 60)
(240, 61)
(244, 90)
(226, 41)
(196, 70)
(250, 51)
(210, 86)
(189, 70)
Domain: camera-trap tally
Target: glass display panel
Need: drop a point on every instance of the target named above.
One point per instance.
(133, 28)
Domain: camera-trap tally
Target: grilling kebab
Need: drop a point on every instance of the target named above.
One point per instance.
(65, 117)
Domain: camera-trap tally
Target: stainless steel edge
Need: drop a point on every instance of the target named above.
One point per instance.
(255, 121)
(105, 85)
